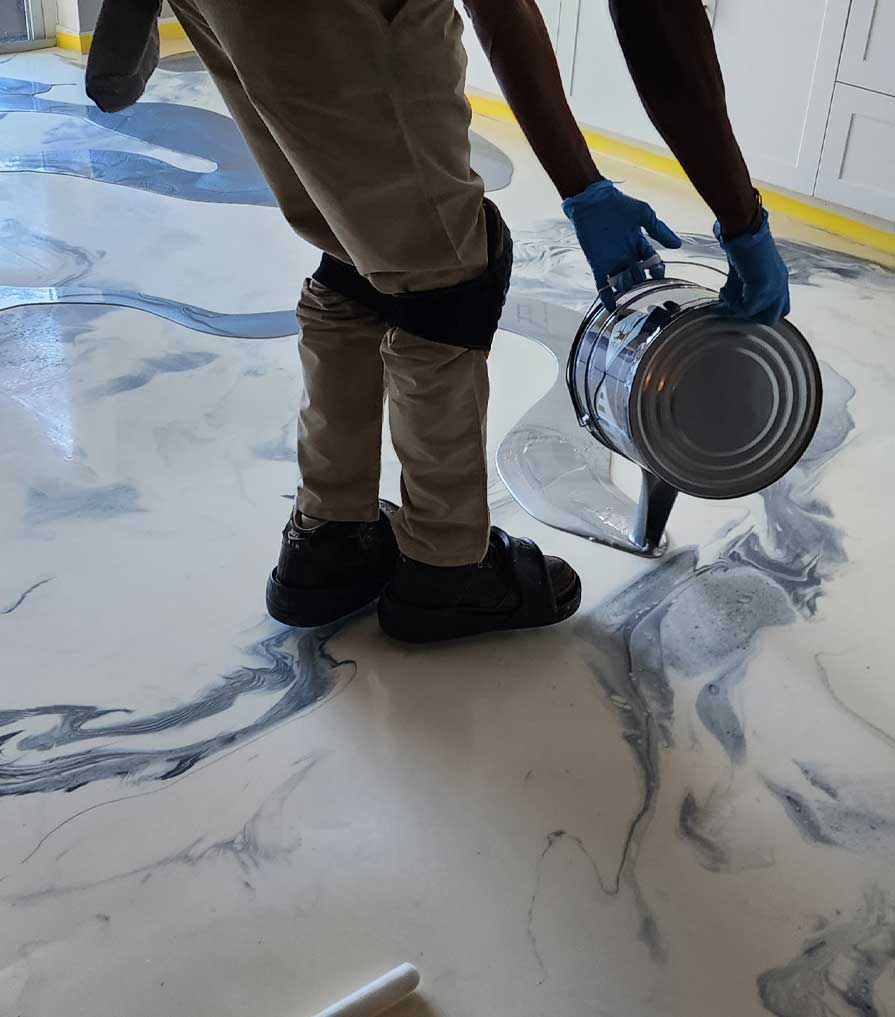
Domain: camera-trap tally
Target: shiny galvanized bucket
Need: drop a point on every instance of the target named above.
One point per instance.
(715, 407)
(705, 404)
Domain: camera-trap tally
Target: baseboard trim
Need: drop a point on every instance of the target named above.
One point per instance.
(168, 29)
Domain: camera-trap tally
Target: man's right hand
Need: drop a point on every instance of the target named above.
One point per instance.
(610, 227)
(757, 287)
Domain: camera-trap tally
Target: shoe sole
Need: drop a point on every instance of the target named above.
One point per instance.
(410, 623)
(309, 608)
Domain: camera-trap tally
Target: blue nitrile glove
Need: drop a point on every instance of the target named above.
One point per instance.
(610, 229)
(757, 286)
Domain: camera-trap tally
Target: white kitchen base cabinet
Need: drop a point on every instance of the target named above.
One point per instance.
(857, 167)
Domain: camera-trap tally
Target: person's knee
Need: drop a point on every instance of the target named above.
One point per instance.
(464, 315)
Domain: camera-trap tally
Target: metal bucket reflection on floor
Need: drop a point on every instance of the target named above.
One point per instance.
(710, 405)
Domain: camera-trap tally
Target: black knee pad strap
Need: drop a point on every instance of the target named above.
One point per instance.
(463, 315)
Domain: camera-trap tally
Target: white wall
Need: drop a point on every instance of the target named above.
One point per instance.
(781, 61)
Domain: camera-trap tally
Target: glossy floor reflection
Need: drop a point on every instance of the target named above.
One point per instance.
(679, 804)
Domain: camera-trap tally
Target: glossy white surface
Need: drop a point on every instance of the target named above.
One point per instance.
(205, 814)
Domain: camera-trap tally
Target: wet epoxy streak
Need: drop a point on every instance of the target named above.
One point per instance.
(260, 325)
(232, 175)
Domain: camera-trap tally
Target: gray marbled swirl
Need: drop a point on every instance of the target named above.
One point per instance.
(837, 971)
(697, 615)
(61, 746)
(693, 620)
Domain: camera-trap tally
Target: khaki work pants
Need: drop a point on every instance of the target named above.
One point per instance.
(355, 111)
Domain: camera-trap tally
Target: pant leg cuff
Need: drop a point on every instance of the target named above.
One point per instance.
(470, 555)
(338, 512)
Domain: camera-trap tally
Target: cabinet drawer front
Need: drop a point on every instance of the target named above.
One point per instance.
(857, 168)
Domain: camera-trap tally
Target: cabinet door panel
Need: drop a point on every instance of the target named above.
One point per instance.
(868, 55)
(858, 164)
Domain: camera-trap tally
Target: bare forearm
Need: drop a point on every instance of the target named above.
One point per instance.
(671, 55)
(533, 87)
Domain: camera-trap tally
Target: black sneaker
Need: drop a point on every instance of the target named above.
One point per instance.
(331, 571)
(514, 587)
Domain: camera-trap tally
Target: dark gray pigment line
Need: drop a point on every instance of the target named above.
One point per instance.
(252, 846)
(836, 973)
(876, 731)
(296, 670)
(20, 86)
(816, 777)
(552, 840)
(23, 596)
(188, 130)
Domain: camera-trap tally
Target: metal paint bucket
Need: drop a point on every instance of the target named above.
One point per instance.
(712, 406)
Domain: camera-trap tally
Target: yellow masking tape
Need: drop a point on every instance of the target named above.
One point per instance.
(81, 43)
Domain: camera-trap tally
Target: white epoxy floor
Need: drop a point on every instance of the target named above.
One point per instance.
(207, 815)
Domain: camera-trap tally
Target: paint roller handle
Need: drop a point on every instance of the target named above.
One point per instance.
(377, 996)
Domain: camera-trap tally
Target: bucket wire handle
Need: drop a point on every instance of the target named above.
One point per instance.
(697, 264)
(654, 261)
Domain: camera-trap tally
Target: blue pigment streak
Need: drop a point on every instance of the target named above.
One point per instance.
(185, 129)
(167, 363)
(20, 86)
(260, 325)
(60, 500)
(189, 130)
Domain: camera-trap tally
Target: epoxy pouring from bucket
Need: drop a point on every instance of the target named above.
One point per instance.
(378, 996)
(668, 383)
(705, 404)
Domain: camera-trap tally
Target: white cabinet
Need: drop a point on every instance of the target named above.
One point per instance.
(479, 76)
(858, 164)
(779, 66)
(799, 128)
(868, 54)
(779, 63)
(602, 93)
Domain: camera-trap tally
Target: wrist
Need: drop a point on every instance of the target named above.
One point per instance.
(574, 183)
(745, 221)
(582, 202)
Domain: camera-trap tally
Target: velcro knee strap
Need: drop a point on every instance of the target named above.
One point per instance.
(463, 315)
